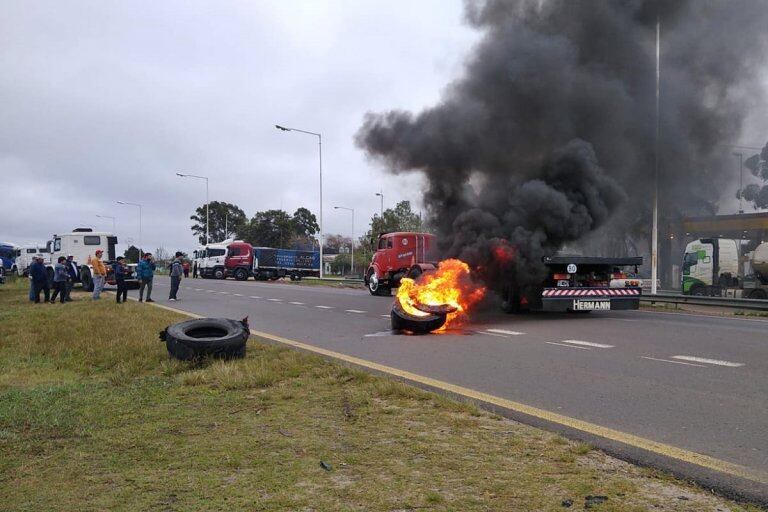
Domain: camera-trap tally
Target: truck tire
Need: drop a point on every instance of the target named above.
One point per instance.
(414, 273)
(758, 294)
(49, 272)
(85, 278)
(218, 273)
(375, 287)
(698, 290)
(241, 274)
(206, 337)
(403, 321)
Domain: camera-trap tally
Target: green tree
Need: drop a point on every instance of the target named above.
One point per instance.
(226, 219)
(399, 218)
(755, 193)
(132, 254)
(270, 228)
(305, 222)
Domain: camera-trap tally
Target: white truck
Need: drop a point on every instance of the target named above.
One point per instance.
(725, 268)
(25, 254)
(208, 261)
(82, 244)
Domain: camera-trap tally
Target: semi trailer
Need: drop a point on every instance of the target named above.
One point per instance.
(262, 263)
(725, 267)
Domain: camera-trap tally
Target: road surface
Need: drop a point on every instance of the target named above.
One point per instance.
(695, 383)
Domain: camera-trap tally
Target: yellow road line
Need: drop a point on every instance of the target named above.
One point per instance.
(698, 459)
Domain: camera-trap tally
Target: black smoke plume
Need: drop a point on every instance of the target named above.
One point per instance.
(549, 134)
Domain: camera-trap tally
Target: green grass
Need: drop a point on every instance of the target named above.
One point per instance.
(94, 416)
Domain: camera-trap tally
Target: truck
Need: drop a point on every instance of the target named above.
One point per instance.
(399, 254)
(208, 260)
(572, 283)
(82, 244)
(724, 267)
(25, 254)
(8, 256)
(244, 260)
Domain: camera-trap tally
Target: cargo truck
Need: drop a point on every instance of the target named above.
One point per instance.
(573, 283)
(724, 267)
(244, 260)
(208, 260)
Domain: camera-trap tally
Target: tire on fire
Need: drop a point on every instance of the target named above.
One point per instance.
(404, 321)
(220, 338)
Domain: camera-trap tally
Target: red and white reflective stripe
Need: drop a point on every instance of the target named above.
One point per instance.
(555, 292)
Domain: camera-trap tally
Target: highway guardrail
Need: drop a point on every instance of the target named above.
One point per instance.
(695, 300)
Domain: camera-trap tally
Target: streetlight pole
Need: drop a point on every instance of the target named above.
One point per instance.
(741, 179)
(320, 151)
(141, 252)
(108, 217)
(353, 232)
(381, 195)
(207, 202)
(655, 232)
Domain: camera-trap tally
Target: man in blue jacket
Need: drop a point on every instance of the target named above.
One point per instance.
(145, 271)
(40, 280)
(118, 267)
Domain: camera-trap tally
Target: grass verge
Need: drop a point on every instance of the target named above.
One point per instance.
(93, 416)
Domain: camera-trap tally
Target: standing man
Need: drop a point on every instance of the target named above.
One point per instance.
(122, 288)
(99, 274)
(60, 277)
(146, 274)
(74, 275)
(176, 272)
(39, 280)
(185, 266)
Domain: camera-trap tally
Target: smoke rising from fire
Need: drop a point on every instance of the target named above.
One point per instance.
(549, 132)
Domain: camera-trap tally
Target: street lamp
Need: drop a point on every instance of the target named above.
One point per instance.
(381, 195)
(141, 253)
(353, 232)
(207, 202)
(320, 149)
(108, 217)
(741, 179)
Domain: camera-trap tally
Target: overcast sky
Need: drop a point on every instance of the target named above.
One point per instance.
(105, 101)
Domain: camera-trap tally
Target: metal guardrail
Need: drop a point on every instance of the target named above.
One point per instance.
(694, 300)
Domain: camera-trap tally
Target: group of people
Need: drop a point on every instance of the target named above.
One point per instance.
(66, 273)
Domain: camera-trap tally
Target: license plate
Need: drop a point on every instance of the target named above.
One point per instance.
(591, 305)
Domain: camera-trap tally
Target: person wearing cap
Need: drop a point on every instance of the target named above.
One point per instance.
(146, 273)
(99, 274)
(60, 277)
(176, 273)
(118, 267)
(74, 275)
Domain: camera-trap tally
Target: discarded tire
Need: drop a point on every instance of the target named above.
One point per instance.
(404, 321)
(206, 337)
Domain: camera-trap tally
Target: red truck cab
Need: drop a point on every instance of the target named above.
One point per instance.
(400, 254)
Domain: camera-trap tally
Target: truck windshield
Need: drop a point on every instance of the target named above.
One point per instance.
(689, 260)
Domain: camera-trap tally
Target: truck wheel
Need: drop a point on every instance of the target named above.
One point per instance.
(85, 278)
(218, 273)
(414, 273)
(758, 294)
(375, 287)
(698, 290)
(241, 274)
(206, 337)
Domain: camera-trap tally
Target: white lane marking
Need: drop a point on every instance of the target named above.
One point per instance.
(708, 361)
(504, 331)
(198, 289)
(587, 343)
(224, 293)
(276, 300)
(324, 307)
(354, 311)
(237, 295)
(297, 303)
(385, 316)
(493, 334)
(569, 346)
(255, 297)
(210, 291)
(670, 361)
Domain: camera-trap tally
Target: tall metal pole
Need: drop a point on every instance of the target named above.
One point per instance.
(320, 150)
(207, 222)
(381, 195)
(353, 232)
(141, 252)
(741, 181)
(226, 225)
(655, 233)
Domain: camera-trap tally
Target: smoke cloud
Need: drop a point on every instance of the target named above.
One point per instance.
(549, 133)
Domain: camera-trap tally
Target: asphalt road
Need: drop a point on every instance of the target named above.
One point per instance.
(698, 383)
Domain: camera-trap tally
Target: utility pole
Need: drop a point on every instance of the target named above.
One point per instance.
(655, 233)
(741, 179)
(381, 195)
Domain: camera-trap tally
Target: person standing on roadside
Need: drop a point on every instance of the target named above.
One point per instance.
(118, 267)
(185, 266)
(60, 277)
(99, 274)
(177, 271)
(74, 275)
(39, 280)
(146, 274)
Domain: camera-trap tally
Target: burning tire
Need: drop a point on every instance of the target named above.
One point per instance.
(206, 337)
(404, 321)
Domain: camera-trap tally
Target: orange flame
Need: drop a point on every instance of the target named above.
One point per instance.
(450, 284)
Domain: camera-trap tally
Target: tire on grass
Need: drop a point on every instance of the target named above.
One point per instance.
(220, 338)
